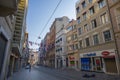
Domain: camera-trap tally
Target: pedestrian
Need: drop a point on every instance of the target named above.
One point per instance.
(29, 67)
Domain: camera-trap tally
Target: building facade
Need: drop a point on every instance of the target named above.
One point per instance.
(25, 55)
(7, 21)
(60, 42)
(72, 45)
(18, 38)
(114, 9)
(51, 46)
(95, 37)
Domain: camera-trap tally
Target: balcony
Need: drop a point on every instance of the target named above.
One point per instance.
(16, 48)
(8, 7)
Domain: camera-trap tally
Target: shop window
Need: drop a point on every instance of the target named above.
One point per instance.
(107, 35)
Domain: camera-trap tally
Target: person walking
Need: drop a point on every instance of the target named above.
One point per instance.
(29, 67)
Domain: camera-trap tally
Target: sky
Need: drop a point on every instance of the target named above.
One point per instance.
(39, 11)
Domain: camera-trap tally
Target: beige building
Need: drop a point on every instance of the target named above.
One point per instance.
(7, 21)
(95, 37)
(60, 42)
(114, 7)
(51, 46)
(72, 45)
(18, 38)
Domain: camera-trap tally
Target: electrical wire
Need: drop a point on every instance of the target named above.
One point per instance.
(49, 19)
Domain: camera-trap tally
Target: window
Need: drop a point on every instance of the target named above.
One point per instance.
(86, 28)
(80, 44)
(92, 11)
(104, 18)
(74, 27)
(107, 35)
(96, 40)
(80, 31)
(60, 39)
(83, 4)
(84, 16)
(76, 46)
(78, 20)
(101, 3)
(90, 1)
(87, 42)
(69, 28)
(75, 36)
(94, 23)
(72, 37)
(78, 9)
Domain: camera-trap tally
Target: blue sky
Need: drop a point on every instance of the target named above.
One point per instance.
(39, 11)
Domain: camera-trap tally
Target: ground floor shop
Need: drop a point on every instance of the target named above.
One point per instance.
(73, 61)
(61, 61)
(100, 61)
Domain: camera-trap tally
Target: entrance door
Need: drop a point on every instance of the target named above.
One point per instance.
(3, 42)
(110, 65)
(66, 62)
(98, 64)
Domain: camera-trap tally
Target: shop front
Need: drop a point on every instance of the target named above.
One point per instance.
(99, 61)
(71, 61)
(110, 61)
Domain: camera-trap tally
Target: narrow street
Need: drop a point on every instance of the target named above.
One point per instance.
(44, 73)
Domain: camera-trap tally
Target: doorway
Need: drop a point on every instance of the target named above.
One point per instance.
(3, 43)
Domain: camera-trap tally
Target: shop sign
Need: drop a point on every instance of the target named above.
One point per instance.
(105, 53)
(89, 55)
(71, 58)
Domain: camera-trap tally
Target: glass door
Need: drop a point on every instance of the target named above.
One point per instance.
(98, 64)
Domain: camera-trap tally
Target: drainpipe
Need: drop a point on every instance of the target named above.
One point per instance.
(114, 37)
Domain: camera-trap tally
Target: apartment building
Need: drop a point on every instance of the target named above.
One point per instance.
(41, 53)
(114, 9)
(18, 38)
(60, 42)
(47, 49)
(25, 55)
(7, 21)
(95, 37)
(51, 47)
(72, 45)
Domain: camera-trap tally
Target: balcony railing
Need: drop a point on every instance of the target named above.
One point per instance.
(8, 7)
